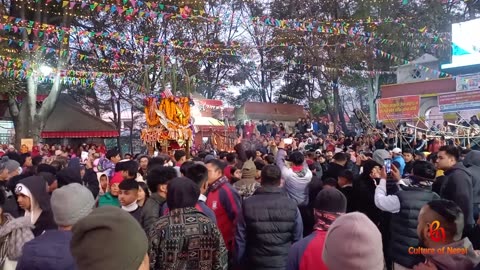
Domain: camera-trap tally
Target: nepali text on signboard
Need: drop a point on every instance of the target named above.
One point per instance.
(459, 101)
(398, 108)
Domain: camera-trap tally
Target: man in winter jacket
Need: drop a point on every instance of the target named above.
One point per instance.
(458, 252)
(224, 200)
(306, 254)
(405, 206)
(71, 174)
(33, 198)
(51, 250)
(458, 186)
(270, 223)
(157, 180)
(472, 162)
(336, 167)
(296, 177)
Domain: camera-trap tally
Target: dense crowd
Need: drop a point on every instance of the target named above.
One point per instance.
(304, 199)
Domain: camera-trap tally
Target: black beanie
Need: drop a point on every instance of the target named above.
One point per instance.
(182, 192)
(330, 200)
(368, 167)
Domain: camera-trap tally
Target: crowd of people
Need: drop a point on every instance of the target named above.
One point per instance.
(311, 199)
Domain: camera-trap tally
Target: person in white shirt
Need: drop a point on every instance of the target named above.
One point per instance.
(405, 205)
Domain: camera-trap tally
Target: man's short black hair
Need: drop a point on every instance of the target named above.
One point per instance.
(231, 157)
(451, 151)
(222, 155)
(112, 153)
(179, 154)
(131, 166)
(155, 162)
(296, 158)
(220, 165)
(185, 166)
(197, 173)
(129, 184)
(46, 168)
(330, 181)
(259, 164)
(160, 176)
(271, 175)
(270, 159)
(340, 157)
(452, 215)
(424, 169)
(347, 174)
(37, 160)
(142, 157)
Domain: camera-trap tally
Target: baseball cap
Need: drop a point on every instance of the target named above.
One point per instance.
(397, 150)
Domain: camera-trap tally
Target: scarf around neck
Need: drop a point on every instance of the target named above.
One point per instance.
(131, 207)
(324, 219)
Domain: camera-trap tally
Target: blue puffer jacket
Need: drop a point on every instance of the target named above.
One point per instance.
(50, 250)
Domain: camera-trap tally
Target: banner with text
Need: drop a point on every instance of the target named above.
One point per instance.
(398, 108)
(459, 101)
(468, 82)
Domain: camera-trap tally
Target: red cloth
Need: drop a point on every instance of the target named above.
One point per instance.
(311, 259)
(117, 178)
(35, 151)
(226, 204)
(227, 173)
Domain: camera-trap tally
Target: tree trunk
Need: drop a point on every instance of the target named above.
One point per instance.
(338, 105)
(131, 130)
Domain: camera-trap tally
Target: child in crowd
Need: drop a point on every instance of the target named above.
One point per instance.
(111, 197)
(143, 194)
(128, 197)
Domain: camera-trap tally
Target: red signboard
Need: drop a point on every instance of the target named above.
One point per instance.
(398, 108)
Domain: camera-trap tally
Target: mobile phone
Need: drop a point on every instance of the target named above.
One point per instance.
(288, 141)
(388, 165)
(84, 156)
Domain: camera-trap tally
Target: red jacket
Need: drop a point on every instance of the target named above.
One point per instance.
(306, 254)
(225, 202)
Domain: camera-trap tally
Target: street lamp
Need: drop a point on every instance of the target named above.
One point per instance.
(46, 70)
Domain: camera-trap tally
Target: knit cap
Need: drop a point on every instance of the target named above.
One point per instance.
(353, 242)
(10, 164)
(249, 170)
(380, 155)
(71, 203)
(108, 238)
(330, 200)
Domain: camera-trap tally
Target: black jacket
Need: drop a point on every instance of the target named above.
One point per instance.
(270, 217)
(333, 171)
(348, 192)
(472, 162)
(458, 188)
(364, 198)
(71, 174)
(403, 225)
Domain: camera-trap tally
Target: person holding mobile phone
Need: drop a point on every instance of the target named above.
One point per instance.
(405, 205)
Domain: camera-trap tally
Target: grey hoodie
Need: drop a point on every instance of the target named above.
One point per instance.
(456, 261)
(295, 182)
(472, 162)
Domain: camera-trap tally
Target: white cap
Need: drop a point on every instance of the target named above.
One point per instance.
(397, 150)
